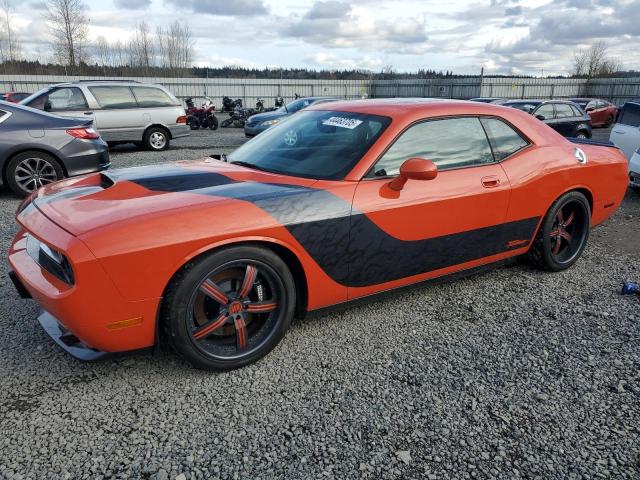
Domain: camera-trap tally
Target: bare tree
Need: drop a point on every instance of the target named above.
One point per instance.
(141, 48)
(175, 46)
(103, 52)
(594, 61)
(11, 48)
(68, 23)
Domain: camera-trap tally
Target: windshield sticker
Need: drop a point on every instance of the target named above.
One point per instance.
(342, 122)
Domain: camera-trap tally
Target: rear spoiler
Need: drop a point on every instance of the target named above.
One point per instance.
(586, 141)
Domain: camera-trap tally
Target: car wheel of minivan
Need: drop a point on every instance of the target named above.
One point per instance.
(28, 171)
(156, 138)
(581, 134)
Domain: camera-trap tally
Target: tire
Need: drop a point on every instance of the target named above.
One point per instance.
(563, 234)
(156, 139)
(226, 122)
(194, 124)
(609, 122)
(582, 134)
(28, 171)
(221, 332)
(213, 123)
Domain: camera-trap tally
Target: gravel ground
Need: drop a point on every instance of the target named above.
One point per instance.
(508, 374)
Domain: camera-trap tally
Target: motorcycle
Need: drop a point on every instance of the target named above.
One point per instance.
(228, 105)
(201, 117)
(238, 117)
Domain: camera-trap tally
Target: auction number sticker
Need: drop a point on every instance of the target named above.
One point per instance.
(342, 122)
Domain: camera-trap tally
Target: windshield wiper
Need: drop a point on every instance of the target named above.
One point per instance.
(249, 165)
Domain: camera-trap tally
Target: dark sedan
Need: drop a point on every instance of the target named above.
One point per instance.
(38, 148)
(564, 117)
(260, 122)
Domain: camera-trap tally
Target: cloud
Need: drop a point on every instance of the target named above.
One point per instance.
(231, 8)
(132, 5)
(335, 24)
(331, 61)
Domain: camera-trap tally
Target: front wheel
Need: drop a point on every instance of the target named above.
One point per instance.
(563, 233)
(156, 139)
(582, 134)
(229, 308)
(213, 122)
(226, 122)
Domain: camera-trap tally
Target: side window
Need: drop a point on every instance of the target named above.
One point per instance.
(546, 110)
(3, 116)
(630, 115)
(152, 97)
(564, 110)
(449, 143)
(576, 111)
(60, 100)
(505, 141)
(114, 97)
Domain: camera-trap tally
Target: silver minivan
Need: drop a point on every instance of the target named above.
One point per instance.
(122, 111)
(625, 134)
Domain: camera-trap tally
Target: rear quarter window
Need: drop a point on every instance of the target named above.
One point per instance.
(148, 97)
(114, 97)
(504, 140)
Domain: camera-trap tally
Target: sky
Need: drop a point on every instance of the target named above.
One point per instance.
(532, 37)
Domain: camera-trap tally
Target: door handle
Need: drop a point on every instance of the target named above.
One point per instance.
(618, 133)
(490, 182)
(88, 113)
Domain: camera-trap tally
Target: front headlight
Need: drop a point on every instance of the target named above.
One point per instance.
(50, 259)
(270, 122)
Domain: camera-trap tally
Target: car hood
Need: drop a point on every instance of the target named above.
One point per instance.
(263, 117)
(105, 199)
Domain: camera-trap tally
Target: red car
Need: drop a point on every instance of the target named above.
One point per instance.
(341, 201)
(14, 97)
(601, 112)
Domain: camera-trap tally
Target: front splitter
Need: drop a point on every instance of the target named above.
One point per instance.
(67, 340)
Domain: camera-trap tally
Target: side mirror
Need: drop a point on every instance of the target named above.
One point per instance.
(590, 109)
(540, 117)
(47, 106)
(414, 169)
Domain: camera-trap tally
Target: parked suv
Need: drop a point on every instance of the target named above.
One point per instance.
(564, 117)
(122, 111)
(625, 134)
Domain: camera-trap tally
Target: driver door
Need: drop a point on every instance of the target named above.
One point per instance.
(430, 227)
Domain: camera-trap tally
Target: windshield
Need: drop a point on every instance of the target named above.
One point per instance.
(314, 144)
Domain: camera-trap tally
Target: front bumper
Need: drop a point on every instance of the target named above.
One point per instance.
(179, 130)
(254, 130)
(92, 310)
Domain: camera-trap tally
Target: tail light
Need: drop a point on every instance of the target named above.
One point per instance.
(181, 119)
(85, 133)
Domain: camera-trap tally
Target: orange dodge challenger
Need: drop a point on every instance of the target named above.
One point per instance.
(338, 202)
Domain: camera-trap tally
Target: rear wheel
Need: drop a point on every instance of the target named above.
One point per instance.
(563, 233)
(28, 171)
(229, 308)
(226, 122)
(609, 122)
(156, 139)
(213, 122)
